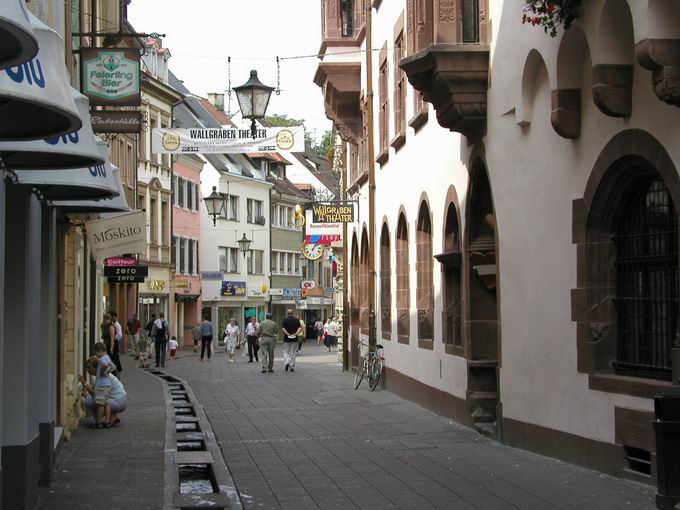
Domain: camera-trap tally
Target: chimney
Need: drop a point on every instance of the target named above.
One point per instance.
(217, 100)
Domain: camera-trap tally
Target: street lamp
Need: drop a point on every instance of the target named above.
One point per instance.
(244, 244)
(215, 203)
(253, 98)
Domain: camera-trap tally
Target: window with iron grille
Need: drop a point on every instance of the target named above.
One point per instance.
(402, 273)
(347, 12)
(385, 282)
(424, 278)
(647, 282)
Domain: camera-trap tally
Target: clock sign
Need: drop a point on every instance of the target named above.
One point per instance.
(312, 251)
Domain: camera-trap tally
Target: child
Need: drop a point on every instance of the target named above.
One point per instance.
(173, 347)
(142, 348)
(102, 386)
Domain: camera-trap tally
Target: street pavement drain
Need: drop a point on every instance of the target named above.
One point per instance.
(195, 474)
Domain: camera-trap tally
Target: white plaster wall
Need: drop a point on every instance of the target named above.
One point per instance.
(535, 175)
(226, 233)
(429, 162)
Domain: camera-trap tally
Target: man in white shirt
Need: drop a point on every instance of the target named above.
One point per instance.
(160, 332)
(251, 336)
(331, 334)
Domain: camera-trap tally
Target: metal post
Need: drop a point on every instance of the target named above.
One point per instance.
(371, 181)
(345, 266)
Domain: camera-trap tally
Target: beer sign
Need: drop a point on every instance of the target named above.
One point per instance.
(111, 76)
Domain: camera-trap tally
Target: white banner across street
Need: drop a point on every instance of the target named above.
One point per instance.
(227, 140)
(116, 236)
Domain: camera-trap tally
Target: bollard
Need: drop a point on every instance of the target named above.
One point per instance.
(667, 431)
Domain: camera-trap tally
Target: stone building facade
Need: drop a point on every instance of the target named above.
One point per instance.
(526, 268)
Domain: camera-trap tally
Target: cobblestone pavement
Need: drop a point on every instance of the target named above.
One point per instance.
(120, 468)
(308, 440)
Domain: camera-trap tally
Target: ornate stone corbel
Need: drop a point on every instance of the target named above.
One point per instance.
(662, 57)
(613, 89)
(566, 112)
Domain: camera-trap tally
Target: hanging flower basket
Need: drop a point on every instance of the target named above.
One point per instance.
(550, 14)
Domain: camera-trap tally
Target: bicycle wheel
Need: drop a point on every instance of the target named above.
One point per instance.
(374, 373)
(358, 377)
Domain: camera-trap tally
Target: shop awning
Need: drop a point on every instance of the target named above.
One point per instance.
(185, 298)
(35, 97)
(74, 150)
(104, 205)
(77, 183)
(17, 40)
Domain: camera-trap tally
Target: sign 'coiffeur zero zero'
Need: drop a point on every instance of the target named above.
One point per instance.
(110, 76)
(227, 140)
(118, 235)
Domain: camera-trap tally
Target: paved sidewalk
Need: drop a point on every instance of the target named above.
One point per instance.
(120, 468)
(308, 440)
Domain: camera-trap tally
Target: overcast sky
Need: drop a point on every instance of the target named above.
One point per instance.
(201, 34)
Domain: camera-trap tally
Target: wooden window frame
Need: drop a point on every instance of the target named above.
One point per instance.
(384, 119)
(399, 112)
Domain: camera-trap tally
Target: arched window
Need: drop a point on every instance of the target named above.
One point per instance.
(451, 261)
(647, 281)
(354, 282)
(363, 283)
(403, 305)
(424, 284)
(385, 284)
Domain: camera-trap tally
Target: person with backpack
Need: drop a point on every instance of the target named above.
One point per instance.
(160, 333)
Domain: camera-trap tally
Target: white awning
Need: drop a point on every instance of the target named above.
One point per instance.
(17, 41)
(74, 150)
(35, 97)
(116, 204)
(88, 183)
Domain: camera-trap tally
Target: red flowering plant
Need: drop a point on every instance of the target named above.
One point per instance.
(550, 14)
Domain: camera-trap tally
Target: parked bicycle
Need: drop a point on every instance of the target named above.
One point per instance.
(371, 367)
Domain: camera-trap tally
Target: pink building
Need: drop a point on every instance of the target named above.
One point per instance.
(185, 287)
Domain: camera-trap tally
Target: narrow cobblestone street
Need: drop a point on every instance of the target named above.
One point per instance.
(309, 440)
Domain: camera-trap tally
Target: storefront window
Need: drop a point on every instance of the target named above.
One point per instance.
(149, 304)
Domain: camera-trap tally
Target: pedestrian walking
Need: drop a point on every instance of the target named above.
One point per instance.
(291, 330)
(143, 354)
(149, 333)
(114, 351)
(318, 329)
(331, 334)
(251, 337)
(206, 337)
(303, 334)
(132, 331)
(173, 347)
(196, 335)
(266, 334)
(160, 333)
(231, 338)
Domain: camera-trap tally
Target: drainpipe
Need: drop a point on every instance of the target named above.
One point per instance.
(345, 266)
(371, 180)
